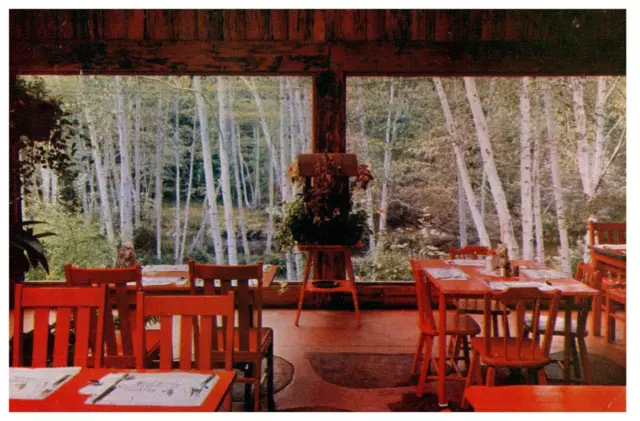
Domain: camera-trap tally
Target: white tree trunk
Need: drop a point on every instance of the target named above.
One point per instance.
(271, 208)
(263, 121)
(105, 206)
(257, 192)
(384, 196)
(192, 152)
(284, 190)
(556, 179)
(159, 173)
(525, 170)
(208, 172)
(293, 130)
(583, 153)
(126, 205)
(136, 157)
(45, 185)
(537, 203)
(178, 145)
(224, 106)
(462, 213)
(598, 158)
(482, 130)
(364, 149)
(235, 146)
(463, 173)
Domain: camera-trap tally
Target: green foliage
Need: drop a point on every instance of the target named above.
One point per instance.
(75, 243)
(301, 226)
(26, 250)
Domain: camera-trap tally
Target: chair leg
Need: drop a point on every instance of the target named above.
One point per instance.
(474, 367)
(248, 372)
(466, 351)
(428, 346)
(575, 360)
(416, 357)
(452, 345)
(584, 358)
(496, 328)
(491, 376)
(257, 383)
(271, 405)
(542, 376)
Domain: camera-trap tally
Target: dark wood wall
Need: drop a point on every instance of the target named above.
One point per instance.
(317, 25)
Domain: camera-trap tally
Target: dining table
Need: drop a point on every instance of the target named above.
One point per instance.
(69, 396)
(474, 282)
(611, 261)
(548, 398)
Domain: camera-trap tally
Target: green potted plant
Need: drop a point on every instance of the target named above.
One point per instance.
(321, 214)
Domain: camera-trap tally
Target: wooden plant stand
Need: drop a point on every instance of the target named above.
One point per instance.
(343, 285)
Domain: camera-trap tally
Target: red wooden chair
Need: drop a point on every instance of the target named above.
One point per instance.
(198, 326)
(476, 305)
(252, 342)
(119, 341)
(587, 275)
(73, 307)
(458, 325)
(607, 233)
(519, 352)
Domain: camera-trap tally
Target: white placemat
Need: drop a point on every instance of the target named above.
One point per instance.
(467, 262)
(613, 246)
(447, 274)
(500, 285)
(542, 273)
(38, 383)
(151, 389)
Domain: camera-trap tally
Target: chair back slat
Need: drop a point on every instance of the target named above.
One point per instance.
(523, 301)
(82, 338)
(74, 307)
(63, 332)
(117, 280)
(469, 252)
(186, 340)
(206, 308)
(248, 304)
(607, 233)
(40, 336)
(589, 276)
(426, 318)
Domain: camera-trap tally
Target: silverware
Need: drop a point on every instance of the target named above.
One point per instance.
(113, 387)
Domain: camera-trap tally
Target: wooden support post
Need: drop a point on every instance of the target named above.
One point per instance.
(329, 135)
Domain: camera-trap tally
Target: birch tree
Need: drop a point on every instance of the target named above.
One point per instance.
(556, 177)
(364, 150)
(464, 179)
(499, 197)
(137, 167)
(178, 151)
(105, 207)
(525, 170)
(235, 146)
(192, 151)
(224, 105)
(210, 185)
(384, 196)
(159, 172)
(126, 205)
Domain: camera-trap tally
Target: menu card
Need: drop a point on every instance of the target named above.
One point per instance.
(151, 389)
(542, 273)
(38, 383)
(447, 274)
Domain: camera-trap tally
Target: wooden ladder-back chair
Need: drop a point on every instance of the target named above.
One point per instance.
(120, 341)
(458, 325)
(607, 233)
(195, 311)
(586, 274)
(73, 307)
(475, 305)
(520, 351)
(252, 342)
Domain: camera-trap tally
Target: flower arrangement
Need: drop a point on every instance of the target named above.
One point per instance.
(320, 214)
